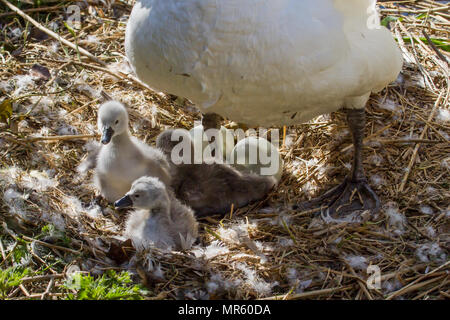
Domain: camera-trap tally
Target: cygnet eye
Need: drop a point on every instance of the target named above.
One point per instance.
(117, 121)
(136, 196)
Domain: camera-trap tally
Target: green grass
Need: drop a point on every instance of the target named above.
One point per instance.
(79, 286)
(58, 236)
(110, 286)
(10, 278)
(442, 44)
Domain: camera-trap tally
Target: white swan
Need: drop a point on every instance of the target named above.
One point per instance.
(123, 158)
(160, 220)
(269, 63)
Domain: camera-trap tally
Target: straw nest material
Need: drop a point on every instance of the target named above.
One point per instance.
(265, 250)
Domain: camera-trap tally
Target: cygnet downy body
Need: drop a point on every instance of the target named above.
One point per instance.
(160, 219)
(210, 188)
(123, 158)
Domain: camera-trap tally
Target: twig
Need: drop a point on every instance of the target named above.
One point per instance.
(359, 280)
(2, 251)
(433, 46)
(10, 253)
(369, 138)
(306, 212)
(309, 294)
(329, 229)
(411, 288)
(416, 149)
(407, 141)
(412, 284)
(13, 293)
(52, 34)
(32, 10)
(24, 290)
(48, 84)
(10, 139)
(425, 74)
(42, 262)
(406, 54)
(47, 290)
(117, 75)
(83, 106)
(443, 284)
(43, 277)
(52, 245)
(439, 9)
(38, 295)
(62, 138)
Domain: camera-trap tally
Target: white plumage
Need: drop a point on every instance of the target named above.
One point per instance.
(277, 62)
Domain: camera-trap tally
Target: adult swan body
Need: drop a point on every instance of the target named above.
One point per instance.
(268, 63)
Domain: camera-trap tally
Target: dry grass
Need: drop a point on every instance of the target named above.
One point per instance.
(264, 250)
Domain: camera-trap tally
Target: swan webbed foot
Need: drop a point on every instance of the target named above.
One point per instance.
(349, 197)
(354, 195)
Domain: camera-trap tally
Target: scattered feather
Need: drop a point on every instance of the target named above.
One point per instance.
(443, 115)
(23, 83)
(426, 209)
(66, 130)
(431, 252)
(16, 203)
(216, 248)
(254, 282)
(356, 262)
(377, 181)
(396, 220)
(391, 286)
(431, 232)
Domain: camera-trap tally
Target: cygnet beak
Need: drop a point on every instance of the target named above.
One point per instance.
(125, 202)
(107, 135)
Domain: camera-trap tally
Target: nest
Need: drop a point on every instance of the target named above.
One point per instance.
(265, 250)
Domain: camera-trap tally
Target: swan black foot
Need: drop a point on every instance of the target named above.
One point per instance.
(354, 195)
(350, 197)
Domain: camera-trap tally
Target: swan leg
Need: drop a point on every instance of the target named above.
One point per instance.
(211, 121)
(354, 194)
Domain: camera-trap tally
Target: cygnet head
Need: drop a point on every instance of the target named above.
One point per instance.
(146, 193)
(168, 139)
(112, 120)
